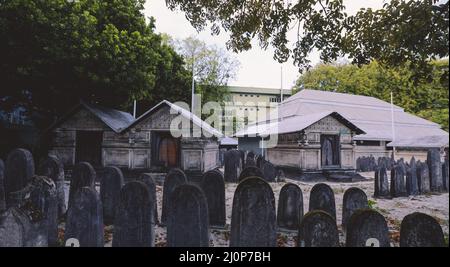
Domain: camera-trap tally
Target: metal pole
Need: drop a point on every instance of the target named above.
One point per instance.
(281, 83)
(193, 85)
(134, 109)
(392, 123)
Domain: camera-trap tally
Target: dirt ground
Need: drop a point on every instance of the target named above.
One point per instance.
(436, 205)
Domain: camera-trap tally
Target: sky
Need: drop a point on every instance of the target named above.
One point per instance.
(257, 66)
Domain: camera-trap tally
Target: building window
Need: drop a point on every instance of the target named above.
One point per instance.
(240, 94)
(251, 95)
(367, 143)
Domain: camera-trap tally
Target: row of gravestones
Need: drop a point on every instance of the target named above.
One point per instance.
(236, 168)
(187, 211)
(369, 164)
(414, 178)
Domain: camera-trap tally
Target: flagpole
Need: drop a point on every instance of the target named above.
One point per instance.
(392, 124)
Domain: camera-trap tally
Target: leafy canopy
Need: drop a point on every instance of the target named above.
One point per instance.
(403, 31)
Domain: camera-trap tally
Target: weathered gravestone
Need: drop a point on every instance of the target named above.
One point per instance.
(39, 200)
(354, 199)
(421, 230)
(381, 183)
(412, 186)
(187, 222)
(318, 229)
(367, 228)
(83, 175)
(259, 161)
(290, 207)
(358, 164)
(322, 198)
(445, 173)
(2, 188)
(19, 169)
(134, 223)
(174, 178)
(213, 186)
(53, 168)
(12, 231)
(423, 177)
(84, 218)
(232, 165)
(253, 219)
(398, 188)
(148, 180)
(269, 171)
(249, 172)
(110, 184)
(250, 160)
(435, 168)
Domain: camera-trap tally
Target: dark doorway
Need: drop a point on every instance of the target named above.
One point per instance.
(89, 147)
(330, 150)
(165, 150)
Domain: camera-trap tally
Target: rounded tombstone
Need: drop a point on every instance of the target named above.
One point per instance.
(19, 169)
(110, 184)
(249, 172)
(12, 230)
(213, 185)
(290, 207)
(2, 188)
(366, 228)
(318, 229)
(53, 168)
(83, 174)
(354, 199)
(134, 222)
(421, 230)
(187, 220)
(321, 197)
(269, 171)
(253, 219)
(173, 178)
(85, 218)
(148, 180)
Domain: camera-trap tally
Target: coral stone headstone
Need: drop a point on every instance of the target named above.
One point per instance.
(213, 186)
(398, 187)
(412, 185)
(134, 221)
(318, 229)
(253, 219)
(290, 207)
(232, 165)
(435, 168)
(367, 228)
(53, 168)
(12, 231)
(2, 187)
(174, 178)
(322, 198)
(19, 169)
(445, 173)
(249, 172)
(148, 180)
(423, 178)
(110, 184)
(354, 199)
(85, 218)
(187, 221)
(83, 175)
(421, 230)
(269, 171)
(381, 183)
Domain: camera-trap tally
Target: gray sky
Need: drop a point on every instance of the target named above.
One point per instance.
(258, 68)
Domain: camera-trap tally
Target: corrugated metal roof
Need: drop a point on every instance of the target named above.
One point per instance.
(434, 141)
(117, 120)
(185, 113)
(370, 114)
